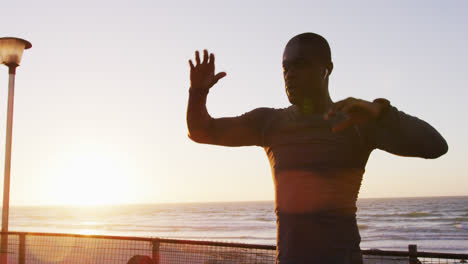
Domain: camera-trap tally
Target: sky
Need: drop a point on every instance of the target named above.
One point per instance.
(101, 97)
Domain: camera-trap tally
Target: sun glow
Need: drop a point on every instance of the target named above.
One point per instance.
(92, 177)
(87, 232)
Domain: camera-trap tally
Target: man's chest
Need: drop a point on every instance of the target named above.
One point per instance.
(310, 143)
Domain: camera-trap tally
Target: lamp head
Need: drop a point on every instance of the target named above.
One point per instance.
(11, 50)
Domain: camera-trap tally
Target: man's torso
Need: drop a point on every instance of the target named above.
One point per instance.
(317, 176)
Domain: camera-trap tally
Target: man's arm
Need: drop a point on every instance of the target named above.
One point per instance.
(405, 135)
(391, 130)
(243, 130)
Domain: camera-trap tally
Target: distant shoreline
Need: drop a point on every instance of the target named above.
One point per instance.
(221, 202)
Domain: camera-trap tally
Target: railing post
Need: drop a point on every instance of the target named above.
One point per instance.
(413, 254)
(4, 248)
(22, 249)
(156, 251)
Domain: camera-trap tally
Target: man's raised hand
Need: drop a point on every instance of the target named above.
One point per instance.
(357, 111)
(202, 74)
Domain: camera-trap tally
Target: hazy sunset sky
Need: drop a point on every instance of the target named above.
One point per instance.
(101, 97)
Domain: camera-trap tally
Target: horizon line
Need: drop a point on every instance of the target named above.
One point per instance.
(208, 202)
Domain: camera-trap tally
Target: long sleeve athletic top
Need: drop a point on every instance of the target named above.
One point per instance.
(299, 145)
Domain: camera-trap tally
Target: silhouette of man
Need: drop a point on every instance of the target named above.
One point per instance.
(317, 149)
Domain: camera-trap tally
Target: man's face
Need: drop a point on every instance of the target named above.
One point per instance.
(303, 74)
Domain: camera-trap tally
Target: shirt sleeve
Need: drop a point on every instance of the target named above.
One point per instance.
(404, 135)
(250, 130)
(243, 130)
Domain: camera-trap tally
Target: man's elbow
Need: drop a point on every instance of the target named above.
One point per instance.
(438, 150)
(199, 136)
(193, 137)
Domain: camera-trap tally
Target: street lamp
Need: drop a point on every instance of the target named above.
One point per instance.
(11, 51)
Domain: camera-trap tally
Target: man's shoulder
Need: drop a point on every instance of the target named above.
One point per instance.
(268, 111)
(264, 114)
(261, 117)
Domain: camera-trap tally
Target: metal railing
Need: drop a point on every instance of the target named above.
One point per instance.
(24, 247)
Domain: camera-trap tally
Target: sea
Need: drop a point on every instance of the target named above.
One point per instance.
(434, 224)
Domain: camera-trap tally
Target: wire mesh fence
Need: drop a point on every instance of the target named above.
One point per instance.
(42, 248)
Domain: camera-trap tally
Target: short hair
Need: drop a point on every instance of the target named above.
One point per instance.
(318, 44)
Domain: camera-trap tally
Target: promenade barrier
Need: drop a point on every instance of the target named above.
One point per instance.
(42, 248)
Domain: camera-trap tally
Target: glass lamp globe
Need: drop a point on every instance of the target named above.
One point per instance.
(11, 50)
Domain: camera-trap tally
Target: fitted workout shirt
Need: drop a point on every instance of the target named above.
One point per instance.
(317, 173)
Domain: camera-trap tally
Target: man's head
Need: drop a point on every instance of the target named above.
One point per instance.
(306, 67)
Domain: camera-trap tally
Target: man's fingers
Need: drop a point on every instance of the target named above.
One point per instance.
(212, 59)
(347, 104)
(197, 57)
(191, 65)
(205, 57)
(335, 108)
(219, 76)
(349, 108)
(342, 125)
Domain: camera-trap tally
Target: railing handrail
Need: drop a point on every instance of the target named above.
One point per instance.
(420, 254)
(374, 252)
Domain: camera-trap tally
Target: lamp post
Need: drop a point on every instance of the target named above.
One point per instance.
(11, 51)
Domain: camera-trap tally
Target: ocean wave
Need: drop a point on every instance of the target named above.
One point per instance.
(416, 214)
(410, 215)
(460, 219)
(463, 226)
(266, 219)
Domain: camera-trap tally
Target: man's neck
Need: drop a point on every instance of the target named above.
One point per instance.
(310, 106)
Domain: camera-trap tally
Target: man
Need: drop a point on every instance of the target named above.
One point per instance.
(317, 149)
